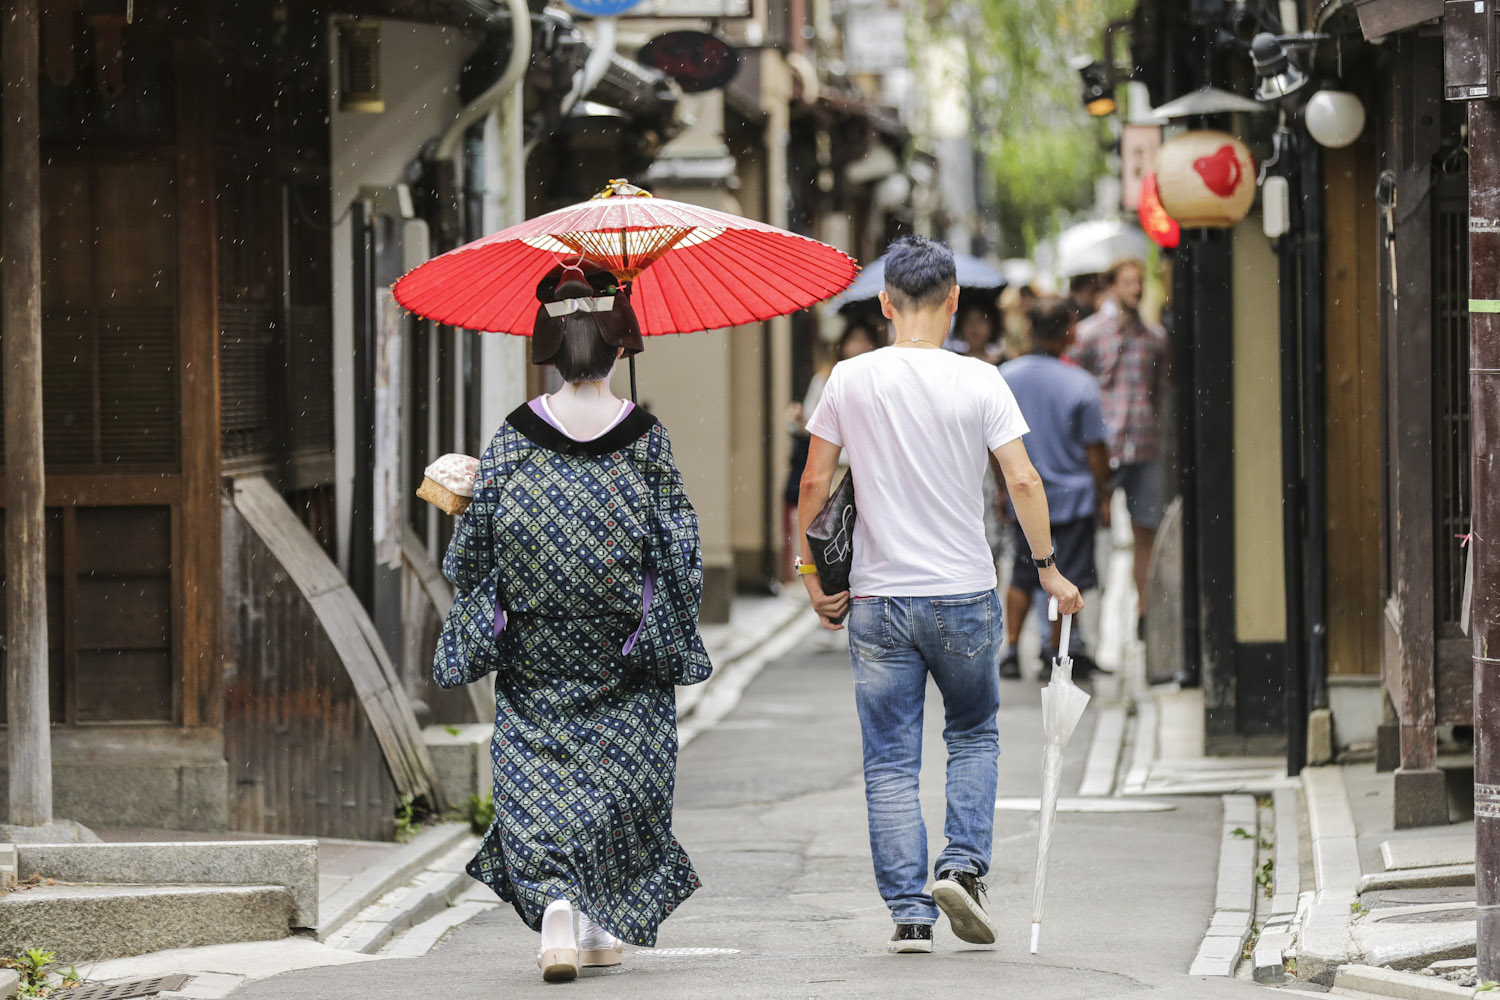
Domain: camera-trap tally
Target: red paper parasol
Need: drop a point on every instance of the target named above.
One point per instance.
(691, 268)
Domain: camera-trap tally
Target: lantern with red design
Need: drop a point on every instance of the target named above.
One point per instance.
(1206, 179)
(1161, 227)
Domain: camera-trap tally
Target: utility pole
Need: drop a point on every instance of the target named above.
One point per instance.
(1484, 545)
(28, 712)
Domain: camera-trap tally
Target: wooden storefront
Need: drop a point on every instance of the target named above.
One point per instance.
(208, 664)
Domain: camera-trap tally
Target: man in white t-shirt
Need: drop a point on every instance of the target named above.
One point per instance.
(919, 424)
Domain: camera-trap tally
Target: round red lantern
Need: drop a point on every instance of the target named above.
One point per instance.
(1206, 179)
(1158, 225)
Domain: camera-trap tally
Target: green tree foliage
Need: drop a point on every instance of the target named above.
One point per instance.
(1043, 150)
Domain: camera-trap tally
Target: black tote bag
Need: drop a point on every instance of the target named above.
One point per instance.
(831, 539)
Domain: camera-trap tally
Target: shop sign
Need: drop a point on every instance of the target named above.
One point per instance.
(697, 60)
(1138, 146)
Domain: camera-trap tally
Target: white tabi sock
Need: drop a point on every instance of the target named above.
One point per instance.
(557, 926)
(592, 937)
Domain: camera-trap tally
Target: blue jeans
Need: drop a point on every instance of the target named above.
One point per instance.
(894, 643)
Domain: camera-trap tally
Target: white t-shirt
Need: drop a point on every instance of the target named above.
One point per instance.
(918, 426)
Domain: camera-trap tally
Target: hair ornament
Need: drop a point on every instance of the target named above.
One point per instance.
(587, 304)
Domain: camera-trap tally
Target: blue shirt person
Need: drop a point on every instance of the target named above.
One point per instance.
(1068, 444)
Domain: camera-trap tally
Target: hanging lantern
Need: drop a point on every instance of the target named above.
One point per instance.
(1206, 179)
(1159, 226)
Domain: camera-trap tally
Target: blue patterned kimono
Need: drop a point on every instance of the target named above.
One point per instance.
(578, 573)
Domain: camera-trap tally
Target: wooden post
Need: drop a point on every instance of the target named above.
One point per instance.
(1484, 550)
(29, 716)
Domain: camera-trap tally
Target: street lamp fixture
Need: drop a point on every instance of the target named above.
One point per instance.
(1098, 89)
(1280, 77)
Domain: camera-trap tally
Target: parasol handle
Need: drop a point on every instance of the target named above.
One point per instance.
(1036, 937)
(633, 398)
(1067, 628)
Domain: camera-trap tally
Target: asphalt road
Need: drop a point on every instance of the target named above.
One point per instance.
(771, 807)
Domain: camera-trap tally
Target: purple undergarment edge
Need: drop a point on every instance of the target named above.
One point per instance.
(648, 588)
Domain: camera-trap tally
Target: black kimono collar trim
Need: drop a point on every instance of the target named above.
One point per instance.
(635, 425)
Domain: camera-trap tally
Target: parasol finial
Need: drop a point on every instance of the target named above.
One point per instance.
(619, 187)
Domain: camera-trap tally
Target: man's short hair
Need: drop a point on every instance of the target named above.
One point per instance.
(1050, 320)
(919, 273)
(1112, 276)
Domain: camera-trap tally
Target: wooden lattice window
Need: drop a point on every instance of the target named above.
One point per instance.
(109, 317)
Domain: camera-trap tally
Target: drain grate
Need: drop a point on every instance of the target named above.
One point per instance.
(127, 989)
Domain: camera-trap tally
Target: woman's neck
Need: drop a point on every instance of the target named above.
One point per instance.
(585, 409)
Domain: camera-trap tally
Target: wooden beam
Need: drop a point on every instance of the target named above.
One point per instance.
(28, 712)
(202, 702)
(1484, 421)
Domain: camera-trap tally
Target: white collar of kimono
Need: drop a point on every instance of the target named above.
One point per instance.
(587, 304)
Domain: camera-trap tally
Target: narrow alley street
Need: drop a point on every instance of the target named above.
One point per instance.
(770, 806)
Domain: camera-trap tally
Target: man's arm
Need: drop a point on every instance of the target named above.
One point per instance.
(1029, 499)
(1098, 454)
(817, 482)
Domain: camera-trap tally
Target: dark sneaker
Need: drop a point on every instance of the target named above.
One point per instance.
(957, 894)
(912, 939)
(1010, 666)
(1044, 672)
(1084, 667)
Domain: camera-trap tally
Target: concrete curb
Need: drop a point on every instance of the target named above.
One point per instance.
(391, 872)
(1104, 753)
(1143, 750)
(793, 604)
(729, 683)
(10, 981)
(1234, 895)
(1419, 878)
(1324, 942)
(1268, 960)
(1367, 979)
(428, 894)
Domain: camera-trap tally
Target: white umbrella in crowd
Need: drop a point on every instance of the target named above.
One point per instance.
(1063, 703)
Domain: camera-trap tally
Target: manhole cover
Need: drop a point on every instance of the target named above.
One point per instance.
(127, 989)
(1446, 894)
(685, 952)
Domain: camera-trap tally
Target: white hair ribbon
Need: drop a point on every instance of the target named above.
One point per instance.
(594, 304)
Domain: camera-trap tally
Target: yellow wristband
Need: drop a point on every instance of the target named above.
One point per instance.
(807, 569)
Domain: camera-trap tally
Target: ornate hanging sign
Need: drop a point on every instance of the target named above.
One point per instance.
(697, 60)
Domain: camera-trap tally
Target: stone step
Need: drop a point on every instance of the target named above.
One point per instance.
(86, 923)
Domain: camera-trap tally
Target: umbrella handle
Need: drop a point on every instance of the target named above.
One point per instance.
(1067, 626)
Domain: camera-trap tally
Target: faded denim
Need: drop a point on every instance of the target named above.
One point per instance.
(894, 643)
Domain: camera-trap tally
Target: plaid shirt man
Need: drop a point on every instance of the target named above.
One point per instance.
(1129, 358)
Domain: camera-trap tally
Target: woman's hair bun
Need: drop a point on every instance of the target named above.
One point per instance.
(582, 339)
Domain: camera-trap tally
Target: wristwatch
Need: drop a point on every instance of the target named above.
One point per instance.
(1049, 560)
(806, 569)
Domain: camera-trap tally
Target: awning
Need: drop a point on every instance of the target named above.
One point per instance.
(1378, 18)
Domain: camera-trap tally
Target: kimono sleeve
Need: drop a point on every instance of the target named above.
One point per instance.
(472, 642)
(670, 645)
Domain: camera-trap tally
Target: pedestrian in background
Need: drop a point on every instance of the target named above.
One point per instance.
(1084, 292)
(1128, 355)
(919, 424)
(1068, 444)
(977, 327)
(859, 337)
(578, 574)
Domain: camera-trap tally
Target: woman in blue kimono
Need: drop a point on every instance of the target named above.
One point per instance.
(578, 573)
